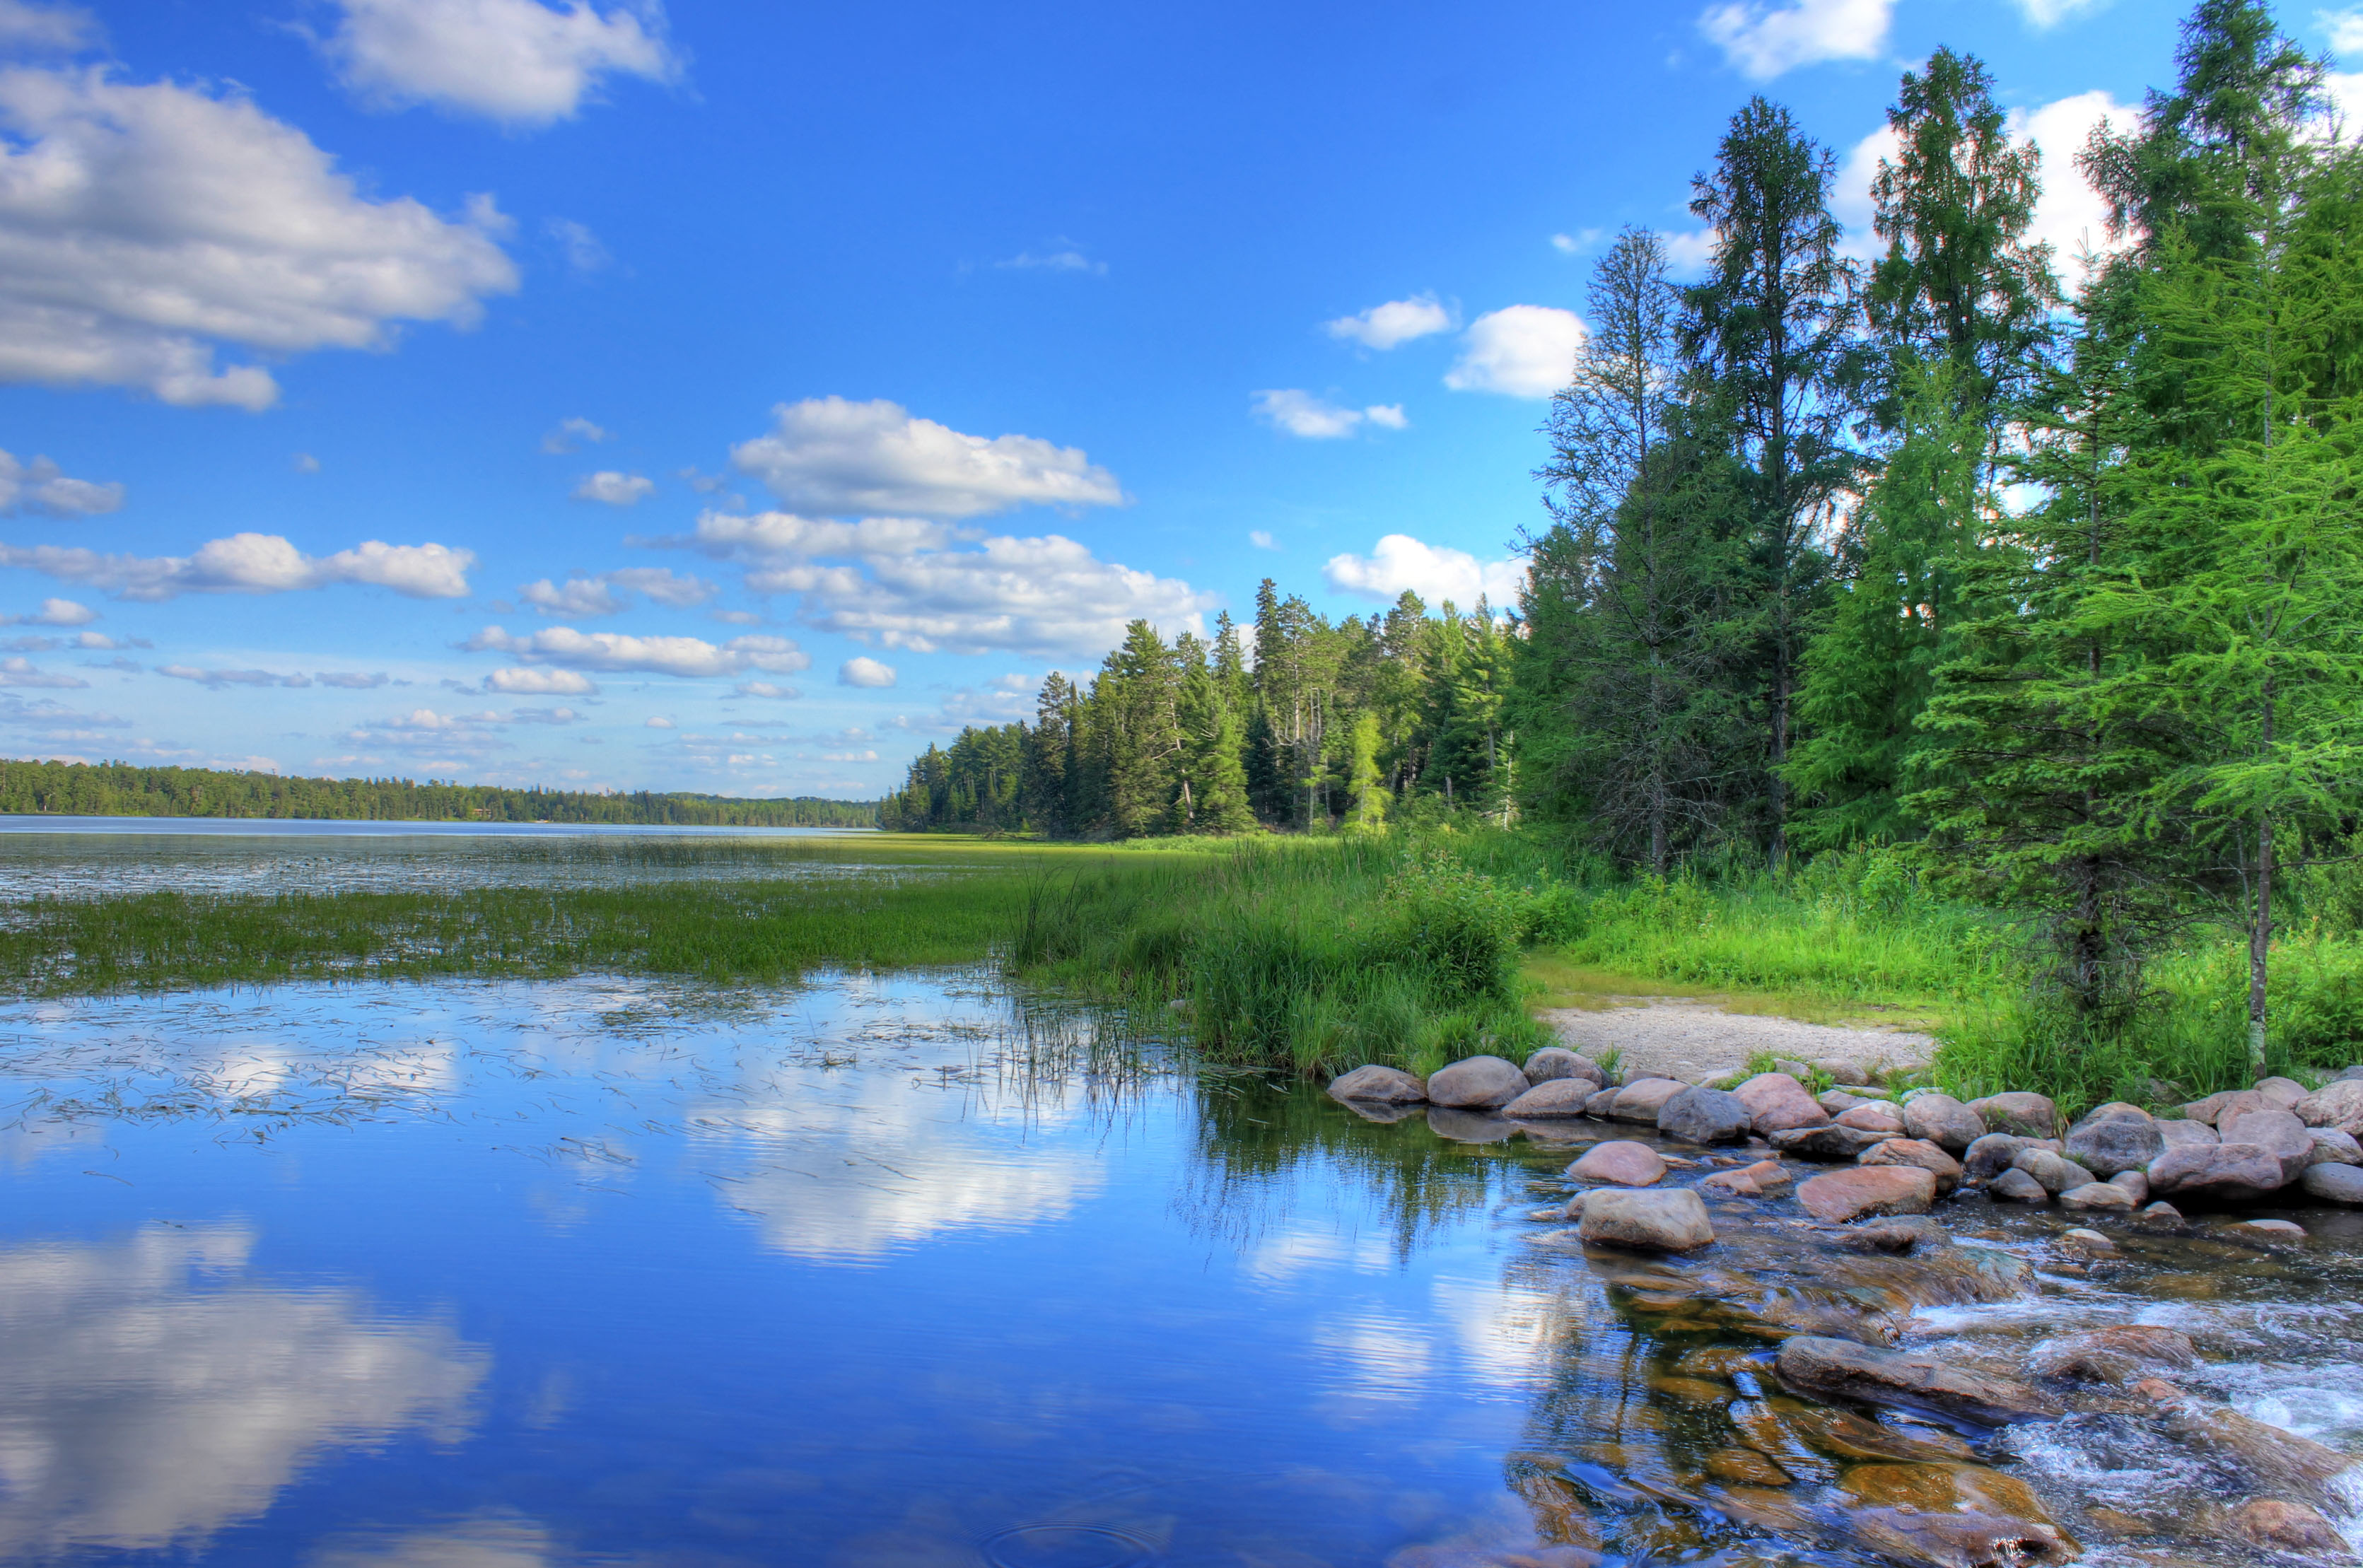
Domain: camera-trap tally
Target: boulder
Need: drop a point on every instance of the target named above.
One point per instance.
(1841, 1369)
(1988, 1156)
(1624, 1162)
(2028, 1115)
(1842, 1070)
(1480, 1083)
(1749, 1181)
(1919, 1154)
(2115, 1138)
(1858, 1193)
(1798, 1070)
(2283, 1092)
(1380, 1086)
(1551, 1098)
(1672, 1220)
(1941, 1120)
(2161, 1213)
(2339, 1104)
(2332, 1147)
(2269, 1457)
(2134, 1182)
(1837, 1102)
(2232, 1102)
(2274, 1232)
(1704, 1116)
(2225, 1173)
(2182, 1131)
(1778, 1102)
(1642, 1100)
(1601, 1104)
(2346, 1075)
(1874, 1116)
(1831, 1143)
(2014, 1186)
(2083, 1243)
(2118, 1354)
(2055, 1172)
(2099, 1198)
(2291, 1528)
(2341, 1185)
(2279, 1131)
(1555, 1062)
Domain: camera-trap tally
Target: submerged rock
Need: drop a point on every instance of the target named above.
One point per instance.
(2273, 1232)
(2276, 1460)
(1951, 1516)
(1480, 1083)
(1380, 1086)
(1831, 1142)
(1844, 1196)
(1641, 1099)
(1778, 1102)
(2342, 1185)
(2117, 1354)
(1555, 1062)
(2286, 1526)
(1704, 1116)
(2162, 1213)
(1922, 1154)
(2014, 1186)
(1667, 1221)
(2278, 1133)
(1551, 1097)
(1941, 1120)
(1624, 1162)
(1841, 1369)
(2228, 1173)
(2028, 1115)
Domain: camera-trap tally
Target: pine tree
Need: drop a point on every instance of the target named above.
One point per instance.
(1365, 786)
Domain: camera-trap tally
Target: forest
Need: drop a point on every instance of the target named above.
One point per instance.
(2042, 569)
(123, 790)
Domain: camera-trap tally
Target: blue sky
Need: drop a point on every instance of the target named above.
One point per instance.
(735, 397)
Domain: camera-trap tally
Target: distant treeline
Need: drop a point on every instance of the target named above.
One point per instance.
(121, 790)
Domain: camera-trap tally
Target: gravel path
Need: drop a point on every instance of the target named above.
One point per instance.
(1690, 1039)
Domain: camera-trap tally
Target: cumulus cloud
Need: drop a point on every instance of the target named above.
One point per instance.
(2045, 15)
(580, 597)
(305, 463)
(1575, 244)
(29, 28)
(1520, 350)
(517, 62)
(575, 241)
(540, 683)
(54, 612)
(612, 487)
(572, 433)
(1435, 572)
(832, 455)
(659, 721)
(254, 563)
(1397, 321)
(354, 680)
(1765, 41)
(144, 225)
(23, 672)
(1295, 412)
(615, 653)
(902, 582)
(1261, 539)
(1065, 257)
(38, 486)
(865, 672)
(771, 691)
(1690, 253)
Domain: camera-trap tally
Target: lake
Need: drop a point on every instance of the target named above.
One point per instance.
(909, 1269)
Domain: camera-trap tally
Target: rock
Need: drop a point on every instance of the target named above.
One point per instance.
(2014, 1186)
(2056, 1173)
(1837, 1102)
(1383, 1114)
(1797, 1070)
(2269, 1457)
(1989, 1156)
(2286, 1526)
(1727, 1078)
(2115, 1138)
(1573, 1208)
(1480, 1083)
(2088, 1244)
(1866, 1190)
(1672, 1220)
(2338, 1103)
(1555, 1062)
(1778, 1102)
(2234, 1102)
(2332, 1147)
(1704, 1116)
(2283, 1092)
(1551, 1098)
(1841, 1369)
(1950, 1515)
(2342, 1185)
(2346, 1074)
(2180, 1132)
(1831, 1143)
(2280, 1133)
(1874, 1116)
(1941, 1120)
(1919, 1153)
(2028, 1115)
(2233, 1173)
(1900, 1234)
(1601, 1104)
(1751, 1181)
(1640, 1101)
(2135, 1183)
(2118, 1354)
(1624, 1162)
(1468, 1126)
(2162, 1213)
(1842, 1070)
(1380, 1085)
(2275, 1232)
(2099, 1198)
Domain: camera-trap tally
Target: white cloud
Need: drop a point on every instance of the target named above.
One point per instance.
(614, 488)
(1295, 412)
(1434, 572)
(2071, 216)
(1397, 321)
(544, 717)
(1261, 539)
(1066, 258)
(220, 679)
(1689, 254)
(54, 612)
(615, 653)
(896, 583)
(1520, 350)
(575, 241)
(829, 455)
(38, 486)
(254, 563)
(2045, 15)
(27, 27)
(353, 680)
(1575, 244)
(766, 689)
(659, 721)
(490, 1539)
(540, 683)
(1765, 41)
(571, 432)
(305, 463)
(579, 596)
(865, 672)
(516, 61)
(143, 224)
(24, 672)
(2345, 27)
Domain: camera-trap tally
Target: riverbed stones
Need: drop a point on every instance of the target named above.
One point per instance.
(1551, 1099)
(1750, 1181)
(2099, 1198)
(2283, 1092)
(1866, 1190)
(1831, 1142)
(1989, 1155)
(1479, 1083)
(2223, 1173)
(2231, 1102)
(2286, 1526)
(2026, 1115)
(2335, 1104)
(1778, 1102)
(2135, 1183)
(1458, 1126)
(1555, 1062)
(2273, 1459)
(1837, 1102)
(2118, 1354)
(2278, 1133)
(1920, 1153)
(2014, 1186)
(1874, 1116)
(1841, 1369)
(1941, 1120)
(2341, 1185)
(1379, 1086)
(1642, 1099)
(2161, 1213)
(1667, 1221)
(2182, 1131)
(1842, 1070)
(1601, 1104)
(1705, 1116)
(2272, 1233)
(2116, 1137)
(2058, 1173)
(1622, 1162)
(2332, 1147)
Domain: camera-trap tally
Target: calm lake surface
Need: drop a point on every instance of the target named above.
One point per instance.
(908, 1270)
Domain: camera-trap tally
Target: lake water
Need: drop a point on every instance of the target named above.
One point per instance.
(909, 1271)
